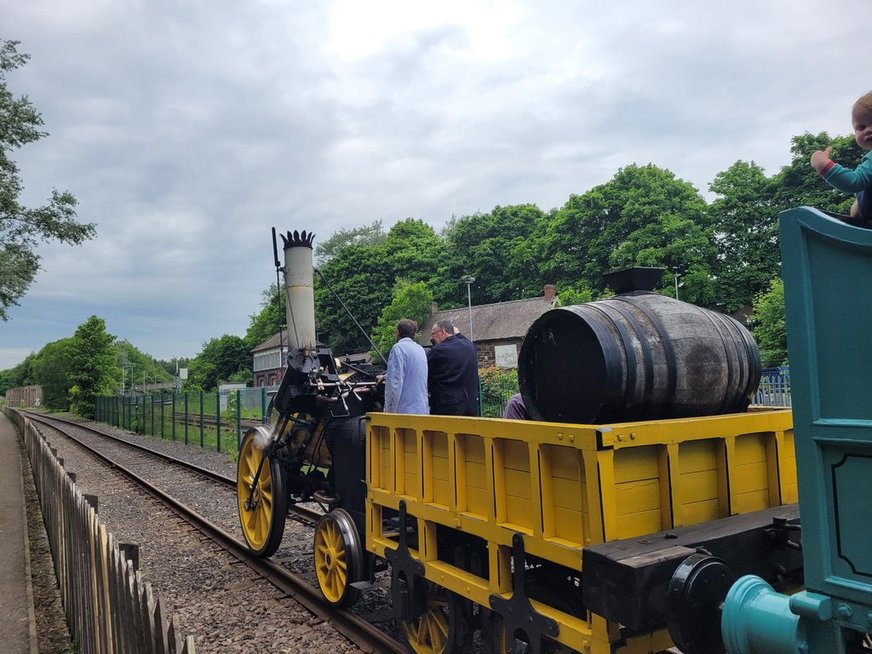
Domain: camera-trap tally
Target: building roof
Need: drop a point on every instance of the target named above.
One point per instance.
(499, 321)
(272, 343)
(493, 322)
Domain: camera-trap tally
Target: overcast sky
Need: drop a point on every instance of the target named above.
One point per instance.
(188, 129)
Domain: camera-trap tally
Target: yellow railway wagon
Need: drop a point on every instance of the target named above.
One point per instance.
(464, 488)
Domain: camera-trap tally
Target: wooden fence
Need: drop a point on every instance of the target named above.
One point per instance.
(109, 608)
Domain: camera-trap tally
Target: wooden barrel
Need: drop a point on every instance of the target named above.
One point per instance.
(636, 356)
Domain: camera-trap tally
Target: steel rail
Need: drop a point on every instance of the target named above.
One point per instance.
(301, 513)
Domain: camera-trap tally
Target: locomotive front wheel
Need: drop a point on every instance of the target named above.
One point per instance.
(338, 557)
(263, 507)
(444, 626)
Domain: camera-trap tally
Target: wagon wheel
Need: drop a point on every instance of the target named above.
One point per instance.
(263, 516)
(338, 557)
(443, 628)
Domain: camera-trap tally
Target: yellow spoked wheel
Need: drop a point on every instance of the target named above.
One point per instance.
(443, 628)
(263, 507)
(338, 557)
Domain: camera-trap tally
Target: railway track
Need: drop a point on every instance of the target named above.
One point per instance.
(210, 421)
(200, 496)
(299, 512)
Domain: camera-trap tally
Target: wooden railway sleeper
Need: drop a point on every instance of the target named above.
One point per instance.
(517, 613)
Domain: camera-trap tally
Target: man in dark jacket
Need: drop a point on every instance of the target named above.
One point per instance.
(452, 376)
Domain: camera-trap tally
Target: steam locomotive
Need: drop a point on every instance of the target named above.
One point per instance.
(619, 518)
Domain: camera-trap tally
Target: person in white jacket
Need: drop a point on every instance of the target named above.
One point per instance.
(406, 379)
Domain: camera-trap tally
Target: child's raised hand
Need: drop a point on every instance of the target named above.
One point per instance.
(821, 158)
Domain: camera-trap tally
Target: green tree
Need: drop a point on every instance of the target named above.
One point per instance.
(223, 359)
(93, 366)
(363, 277)
(745, 220)
(267, 322)
(410, 300)
(359, 278)
(6, 380)
(496, 249)
(372, 234)
(767, 323)
(644, 216)
(20, 375)
(139, 368)
(171, 366)
(798, 184)
(569, 296)
(51, 368)
(497, 386)
(22, 228)
(414, 252)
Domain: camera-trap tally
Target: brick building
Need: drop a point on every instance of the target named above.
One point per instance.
(268, 357)
(269, 360)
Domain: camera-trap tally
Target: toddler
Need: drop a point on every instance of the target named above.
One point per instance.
(859, 180)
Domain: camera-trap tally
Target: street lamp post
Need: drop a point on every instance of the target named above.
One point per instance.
(469, 280)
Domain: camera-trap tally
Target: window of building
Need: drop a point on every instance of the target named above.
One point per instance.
(269, 360)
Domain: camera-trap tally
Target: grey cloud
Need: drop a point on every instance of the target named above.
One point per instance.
(187, 131)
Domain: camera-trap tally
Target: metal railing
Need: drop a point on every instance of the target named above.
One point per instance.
(215, 420)
(218, 420)
(774, 389)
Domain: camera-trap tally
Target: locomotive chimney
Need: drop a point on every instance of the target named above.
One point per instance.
(300, 307)
(640, 278)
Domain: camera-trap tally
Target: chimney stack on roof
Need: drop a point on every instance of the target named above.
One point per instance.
(548, 292)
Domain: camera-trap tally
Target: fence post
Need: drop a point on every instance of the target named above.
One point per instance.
(201, 418)
(263, 404)
(238, 419)
(218, 419)
(186, 417)
(161, 413)
(151, 398)
(174, 414)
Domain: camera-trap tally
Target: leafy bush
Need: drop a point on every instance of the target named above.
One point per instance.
(497, 386)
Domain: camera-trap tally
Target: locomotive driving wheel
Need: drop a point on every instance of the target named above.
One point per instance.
(443, 627)
(338, 557)
(263, 505)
